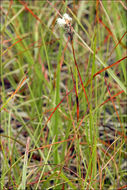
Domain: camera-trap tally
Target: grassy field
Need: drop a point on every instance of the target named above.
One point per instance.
(63, 95)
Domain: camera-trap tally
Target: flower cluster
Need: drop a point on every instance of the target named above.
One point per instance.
(65, 20)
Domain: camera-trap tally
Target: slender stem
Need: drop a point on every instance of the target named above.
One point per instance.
(79, 72)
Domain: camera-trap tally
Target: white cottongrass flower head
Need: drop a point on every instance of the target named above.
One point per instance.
(65, 20)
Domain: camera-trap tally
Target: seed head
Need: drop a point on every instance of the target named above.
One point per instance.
(65, 20)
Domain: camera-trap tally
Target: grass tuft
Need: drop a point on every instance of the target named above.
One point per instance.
(63, 95)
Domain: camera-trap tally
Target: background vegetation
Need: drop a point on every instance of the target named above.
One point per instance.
(60, 128)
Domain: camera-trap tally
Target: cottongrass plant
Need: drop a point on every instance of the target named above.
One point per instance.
(66, 23)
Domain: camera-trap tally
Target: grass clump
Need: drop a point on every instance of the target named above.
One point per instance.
(63, 95)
